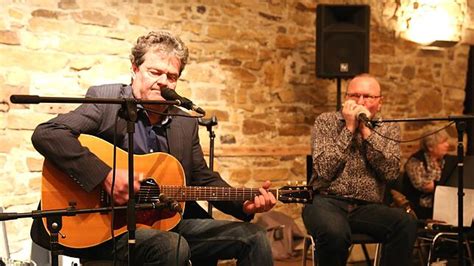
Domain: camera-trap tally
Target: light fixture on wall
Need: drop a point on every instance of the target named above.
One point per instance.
(432, 23)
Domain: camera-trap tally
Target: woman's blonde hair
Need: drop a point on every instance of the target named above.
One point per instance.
(432, 140)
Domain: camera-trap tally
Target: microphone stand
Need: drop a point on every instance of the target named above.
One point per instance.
(128, 111)
(54, 220)
(209, 123)
(338, 86)
(460, 121)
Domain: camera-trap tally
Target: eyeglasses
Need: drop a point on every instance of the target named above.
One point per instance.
(368, 98)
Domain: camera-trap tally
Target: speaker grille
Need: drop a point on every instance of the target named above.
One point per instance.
(342, 40)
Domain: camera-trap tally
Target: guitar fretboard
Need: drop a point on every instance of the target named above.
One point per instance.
(180, 193)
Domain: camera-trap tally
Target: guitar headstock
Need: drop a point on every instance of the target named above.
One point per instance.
(295, 194)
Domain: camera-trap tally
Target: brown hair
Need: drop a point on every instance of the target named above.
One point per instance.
(163, 41)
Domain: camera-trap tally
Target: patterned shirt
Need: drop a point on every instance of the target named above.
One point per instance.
(422, 173)
(346, 165)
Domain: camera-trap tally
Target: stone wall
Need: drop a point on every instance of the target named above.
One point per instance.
(252, 64)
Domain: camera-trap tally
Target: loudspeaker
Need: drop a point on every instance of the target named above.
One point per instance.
(342, 40)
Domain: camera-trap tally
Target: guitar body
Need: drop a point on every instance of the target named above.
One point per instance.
(59, 191)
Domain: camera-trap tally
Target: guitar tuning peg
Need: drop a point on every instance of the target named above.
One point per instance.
(288, 183)
(304, 183)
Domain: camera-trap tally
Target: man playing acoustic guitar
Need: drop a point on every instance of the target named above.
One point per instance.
(158, 60)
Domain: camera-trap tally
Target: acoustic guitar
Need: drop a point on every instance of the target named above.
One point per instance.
(162, 174)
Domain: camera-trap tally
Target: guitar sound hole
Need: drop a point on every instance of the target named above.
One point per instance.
(148, 193)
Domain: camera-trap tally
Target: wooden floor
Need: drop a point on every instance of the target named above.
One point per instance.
(298, 262)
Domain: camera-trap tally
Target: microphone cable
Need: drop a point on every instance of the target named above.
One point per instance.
(415, 139)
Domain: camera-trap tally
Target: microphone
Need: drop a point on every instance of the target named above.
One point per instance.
(172, 95)
(363, 116)
(172, 204)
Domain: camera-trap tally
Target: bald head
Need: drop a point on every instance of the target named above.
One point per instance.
(365, 90)
(366, 81)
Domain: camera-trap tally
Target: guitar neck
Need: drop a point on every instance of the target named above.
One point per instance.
(181, 193)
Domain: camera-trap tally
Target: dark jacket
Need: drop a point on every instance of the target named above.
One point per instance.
(57, 141)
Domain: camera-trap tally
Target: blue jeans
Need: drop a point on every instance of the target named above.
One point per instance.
(203, 241)
(332, 221)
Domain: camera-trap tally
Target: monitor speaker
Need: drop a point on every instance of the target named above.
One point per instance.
(342, 40)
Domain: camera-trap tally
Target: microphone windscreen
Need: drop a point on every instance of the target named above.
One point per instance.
(169, 94)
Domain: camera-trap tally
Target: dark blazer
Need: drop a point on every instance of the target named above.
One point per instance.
(57, 141)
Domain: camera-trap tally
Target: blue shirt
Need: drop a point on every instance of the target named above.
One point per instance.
(150, 138)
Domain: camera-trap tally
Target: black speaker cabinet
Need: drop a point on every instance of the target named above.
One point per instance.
(342, 40)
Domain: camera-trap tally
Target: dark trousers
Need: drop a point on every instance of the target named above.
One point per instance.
(332, 221)
(203, 241)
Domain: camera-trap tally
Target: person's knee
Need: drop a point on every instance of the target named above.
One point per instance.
(408, 223)
(333, 239)
(257, 234)
(164, 246)
(183, 251)
(410, 226)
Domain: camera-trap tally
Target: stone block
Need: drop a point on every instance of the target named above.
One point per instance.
(68, 4)
(9, 141)
(230, 62)
(274, 74)
(45, 13)
(34, 164)
(294, 130)
(206, 94)
(95, 17)
(82, 62)
(16, 13)
(242, 52)
(91, 45)
(253, 65)
(378, 69)
(37, 61)
(251, 127)
(240, 176)
(25, 119)
(286, 42)
(274, 174)
(41, 25)
(426, 108)
(221, 31)
(227, 139)
(8, 90)
(35, 183)
(9, 37)
(221, 114)
(243, 75)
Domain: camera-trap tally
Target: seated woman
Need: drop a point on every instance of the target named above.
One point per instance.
(422, 172)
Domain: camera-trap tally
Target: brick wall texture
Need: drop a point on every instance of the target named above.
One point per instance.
(252, 64)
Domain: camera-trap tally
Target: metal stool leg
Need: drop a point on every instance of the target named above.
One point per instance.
(308, 245)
